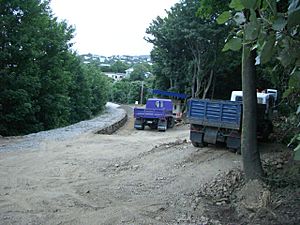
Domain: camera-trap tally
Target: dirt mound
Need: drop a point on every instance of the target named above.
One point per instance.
(275, 200)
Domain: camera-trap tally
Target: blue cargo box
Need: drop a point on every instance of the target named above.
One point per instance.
(215, 113)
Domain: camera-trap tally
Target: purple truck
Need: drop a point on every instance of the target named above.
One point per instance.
(158, 114)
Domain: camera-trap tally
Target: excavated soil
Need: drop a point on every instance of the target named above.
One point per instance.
(127, 177)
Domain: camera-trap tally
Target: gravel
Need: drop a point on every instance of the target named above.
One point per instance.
(111, 115)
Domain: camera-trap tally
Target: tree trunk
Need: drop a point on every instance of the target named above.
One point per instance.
(194, 85)
(250, 154)
(208, 84)
(198, 88)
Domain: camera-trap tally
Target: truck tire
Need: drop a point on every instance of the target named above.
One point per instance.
(235, 150)
(162, 125)
(199, 145)
(195, 144)
(171, 122)
(139, 124)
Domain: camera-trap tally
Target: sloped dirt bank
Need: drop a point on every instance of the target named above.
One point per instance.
(274, 201)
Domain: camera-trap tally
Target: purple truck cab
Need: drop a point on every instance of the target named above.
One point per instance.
(157, 115)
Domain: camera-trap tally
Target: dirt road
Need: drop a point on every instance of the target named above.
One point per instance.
(129, 177)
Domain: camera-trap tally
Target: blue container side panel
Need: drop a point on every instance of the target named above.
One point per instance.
(225, 114)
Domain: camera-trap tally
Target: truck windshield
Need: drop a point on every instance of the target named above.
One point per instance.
(159, 104)
(239, 98)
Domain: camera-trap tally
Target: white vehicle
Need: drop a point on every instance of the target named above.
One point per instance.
(265, 109)
(266, 98)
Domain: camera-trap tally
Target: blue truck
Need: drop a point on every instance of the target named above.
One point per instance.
(158, 114)
(213, 121)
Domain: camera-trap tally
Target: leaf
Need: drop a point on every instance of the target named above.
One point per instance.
(298, 110)
(253, 18)
(262, 37)
(293, 18)
(285, 57)
(279, 24)
(293, 6)
(240, 34)
(249, 4)
(239, 18)
(267, 49)
(237, 5)
(294, 82)
(297, 153)
(224, 17)
(233, 44)
(251, 31)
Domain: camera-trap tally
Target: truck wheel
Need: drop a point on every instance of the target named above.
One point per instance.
(235, 150)
(139, 124)
(199, 145)
(171, 122)
(195, 144)
(162, 125)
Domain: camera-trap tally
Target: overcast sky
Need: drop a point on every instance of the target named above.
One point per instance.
(111, 27)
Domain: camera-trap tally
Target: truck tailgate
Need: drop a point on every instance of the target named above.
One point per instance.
(149, 113)
(215, 113)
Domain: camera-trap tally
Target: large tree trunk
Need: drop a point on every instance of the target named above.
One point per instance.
(250, 154)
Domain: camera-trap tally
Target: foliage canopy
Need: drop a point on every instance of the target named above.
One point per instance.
(43, 84)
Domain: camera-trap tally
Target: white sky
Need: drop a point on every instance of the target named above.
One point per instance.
(111, 27)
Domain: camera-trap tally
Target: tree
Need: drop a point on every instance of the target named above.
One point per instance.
(139, 71)
(267, 26)
(185, 49)
(31, 43)
(119, 91)
(99, 85)
(119, 67)
(43, 84)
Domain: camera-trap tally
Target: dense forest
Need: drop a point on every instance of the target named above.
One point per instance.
(43, 84)
(197, 50)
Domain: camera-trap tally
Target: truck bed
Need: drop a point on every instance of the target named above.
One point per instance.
(151, 113)
(215, 113)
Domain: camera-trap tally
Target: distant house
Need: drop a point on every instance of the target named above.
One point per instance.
(116, 76)
(128, 72)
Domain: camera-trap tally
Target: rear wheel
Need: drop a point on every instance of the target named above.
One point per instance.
(171, 122)
(162, 125)
(139, 124)
(195, 144)
(199, 145)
